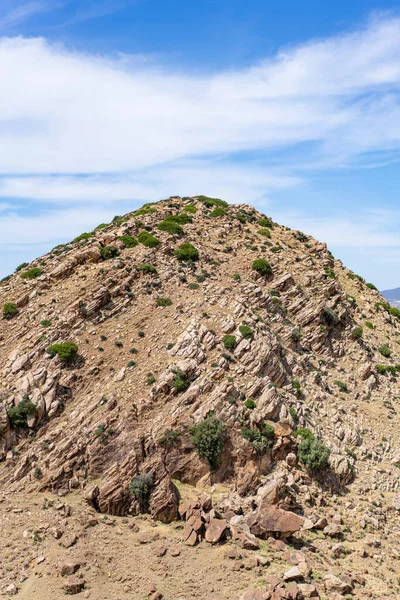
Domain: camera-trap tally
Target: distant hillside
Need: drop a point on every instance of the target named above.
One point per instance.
(393, 296)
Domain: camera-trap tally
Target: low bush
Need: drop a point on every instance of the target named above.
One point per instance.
(329, 316)
(265, 232)
(385, 350)
(148, 240)
(187, 252)
(265, 222)
(181, 219)
(262, 266)
(32, 273)
(306, 434)
(357, 333)
(146, 268)
(261, 440)
(82, 236)
(246, 332)
(313, 454)
(128, 240)
(19, 414)
(45, 323)
(108, 252)
(180, 382)
(342, 386)
(296, 334)
(369, 324)
(208, 438)
(250, 404)
(210, 202)
(21, 266)
(371, 286)
(169, 438)
(218, 212)
(229, 341)
(190, 208)
(66, 351)
(170, 227)
(163, 302)
(10, 310)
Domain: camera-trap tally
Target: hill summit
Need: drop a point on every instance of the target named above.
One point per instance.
(195, 363)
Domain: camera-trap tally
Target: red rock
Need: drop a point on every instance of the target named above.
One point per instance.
(216, 531)
(274, 520)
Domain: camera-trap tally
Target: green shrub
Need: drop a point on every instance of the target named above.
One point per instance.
(265, 223)
(190, 208)
(108, 252)
(306, 434)
(180, 382)
(21, 266)
(296, 334)
(9, 310)
(371, 286)
(18, 414)
(150, 379)
(32, 273)
(395, 312)
(236, 277)
(210, 202)
(169, 438)
(261, 440)
(193, 286)
(128, 240)
(246, 332)
(392, 369)
(101, 226)
(250, 404)
(140, 488)
(313, 454)
(146, 268)
(369, 324)
(385, 350)
(208, 439)
(163, 302)
(82, 236)
(170, 227)
(262, 266)
(181, 219)
(342, 386)
(357, 333)
(218, 212)
(66, 351)
(148, 240)
(293, 413)
(264, 232)
(186, 252)
(229, 341)
(45, 323)
(329, 316)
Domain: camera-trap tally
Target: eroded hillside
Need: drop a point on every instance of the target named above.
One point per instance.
(191, 313)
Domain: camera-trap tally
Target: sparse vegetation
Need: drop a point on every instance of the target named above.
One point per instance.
(170, 227)
(385, 350)
(313, 454)
(246, 332)
(261, 440)
(357, 333)
(128, 240)
(342, 386)
(180, 382)
(265, 222)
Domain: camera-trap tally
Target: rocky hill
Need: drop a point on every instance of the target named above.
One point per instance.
(194, 363)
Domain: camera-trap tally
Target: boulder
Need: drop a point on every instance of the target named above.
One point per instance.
(273, 520)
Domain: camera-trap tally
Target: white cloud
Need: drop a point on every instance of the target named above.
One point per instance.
(67, 112)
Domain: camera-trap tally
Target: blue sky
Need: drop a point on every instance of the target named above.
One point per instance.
(292, 106)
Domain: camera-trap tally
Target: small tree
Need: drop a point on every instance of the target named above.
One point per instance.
(18, 414)
(140, 488)
(32, 273)
(208, 438)
(246, 332)
(262, 266)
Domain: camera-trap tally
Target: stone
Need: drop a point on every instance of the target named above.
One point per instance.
(73, 585)
(274, 520)
(216, 531)
(294, 574)
(69, 569)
